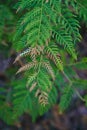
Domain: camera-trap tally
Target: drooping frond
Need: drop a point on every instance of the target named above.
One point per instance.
(45, 27)
(70, 23)
(37, 31)
(65, 40)
(41, 98)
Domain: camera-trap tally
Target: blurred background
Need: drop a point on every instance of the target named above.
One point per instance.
(75, 117)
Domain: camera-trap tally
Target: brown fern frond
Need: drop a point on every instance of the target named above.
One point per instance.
(31, 78)
(45, 94)
(42, 97)
(40, 48)
(51, 57)
(55, 59)
(27, 66)
(34, 53)
(24, 53)
(49, 69)
(33, 86)
(38, 92)
(17, 58)
(43, 100)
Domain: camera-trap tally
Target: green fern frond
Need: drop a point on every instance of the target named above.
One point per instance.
(6, 113)
(70, 23)
(65, 39)
(37, 31)
(82, 9)
(21, 5)
(21, 100)
(66, 98)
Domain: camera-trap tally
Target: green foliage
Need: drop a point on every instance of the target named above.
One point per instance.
(40, 25)
(66, 98)
(32, 100)
(44, 28)
(5, 106)
(6, 23)
(47, 32)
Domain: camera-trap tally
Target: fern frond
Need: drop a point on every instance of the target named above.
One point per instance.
(26, 101)
(49, 69)
(21, 5)
(47, 80)
(43, 98)
(27, 67)
(70, 23)
(66, 98)
(25, 53)
(81, 7)
(37, 31)
(6, 113)
(33, 86)
(31, 78)
(21, 100)
(53, 52)
(66, 40)
(45, 27)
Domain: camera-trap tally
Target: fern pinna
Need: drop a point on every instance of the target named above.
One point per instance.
(45, 29)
